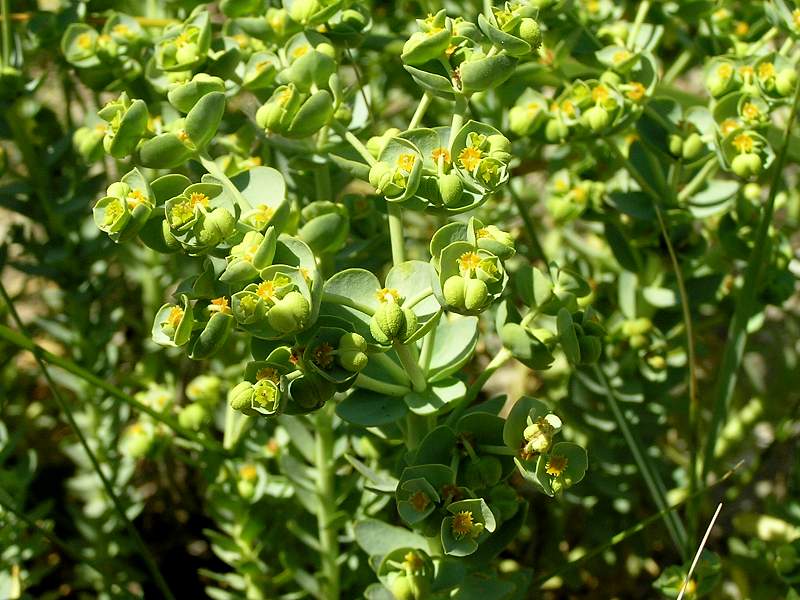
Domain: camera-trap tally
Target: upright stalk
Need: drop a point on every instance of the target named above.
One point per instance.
(6, 58)
(396, 232)
(326, 502)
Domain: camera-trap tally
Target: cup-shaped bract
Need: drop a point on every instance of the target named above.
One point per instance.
(125, 208)
(173, 323)
(184, 46)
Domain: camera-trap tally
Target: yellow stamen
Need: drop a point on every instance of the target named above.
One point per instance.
(766, 70)
(636, 92)
(441, 153)
(469, 261)
(174, 317)
(555, 465)
(470, 158)
(406, 161)
(462, 524)
(269, 374)
(220, 305)
(743, 143)
(198, 198)
(388, 295)
(750, 111)
(84, 41)
(266, 289)
(248, 472)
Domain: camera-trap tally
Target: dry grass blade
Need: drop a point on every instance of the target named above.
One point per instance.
(696, 558)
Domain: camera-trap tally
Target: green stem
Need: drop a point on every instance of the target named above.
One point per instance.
(354, 142)
(677, 67)
(326, 502)
(22, 341)
(701, 177)
(414, 300)
(745, 304)
(396, 232)
(210, 165)
(322, 182)
(473, 390)
(375, 385)
(694, 403)
(6, 14)
(655, 487)
(644, 7)
(419, 113)
(409, 362)
(459, 112)
(428, 343)
(349, 302)
(150, 562)
(391, 368)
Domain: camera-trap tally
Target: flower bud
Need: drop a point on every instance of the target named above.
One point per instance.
(747, 165)
(596, 118)
(453, 291)
(555, 130)
(290, 314)
(786, 81)
(475, 294)
(499, 147)
(241, 396)
(522, 119)
(387, 323)
(451, 189)
(530, 32)
(496, 241)
(639, 326)
(721, 79)
(422, 47)
(538, 436)
(352, 352)
(675, 143)
(693, 146)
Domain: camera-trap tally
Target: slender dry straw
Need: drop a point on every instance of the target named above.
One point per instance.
(699, 552)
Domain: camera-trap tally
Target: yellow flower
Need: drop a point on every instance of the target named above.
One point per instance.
(300, 51)
(725, 70)
(220, 305)
(269, 374)
(412, 562)
(728, 125)
(121, 30)
(796, 17)
(462, 523)
(766, 70)
(742, 29)
(441, 153)
(636, 91)
(470, 158)
(406, 161)
(743, 143)
(388, 295)
(174, 317)
(555, 465)
(198, 198)
(262, 216)
(469, 261)
(84, 41)
(750, 111)
(248, 472)
(135, 198)
(266, 289)
(620, 56)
